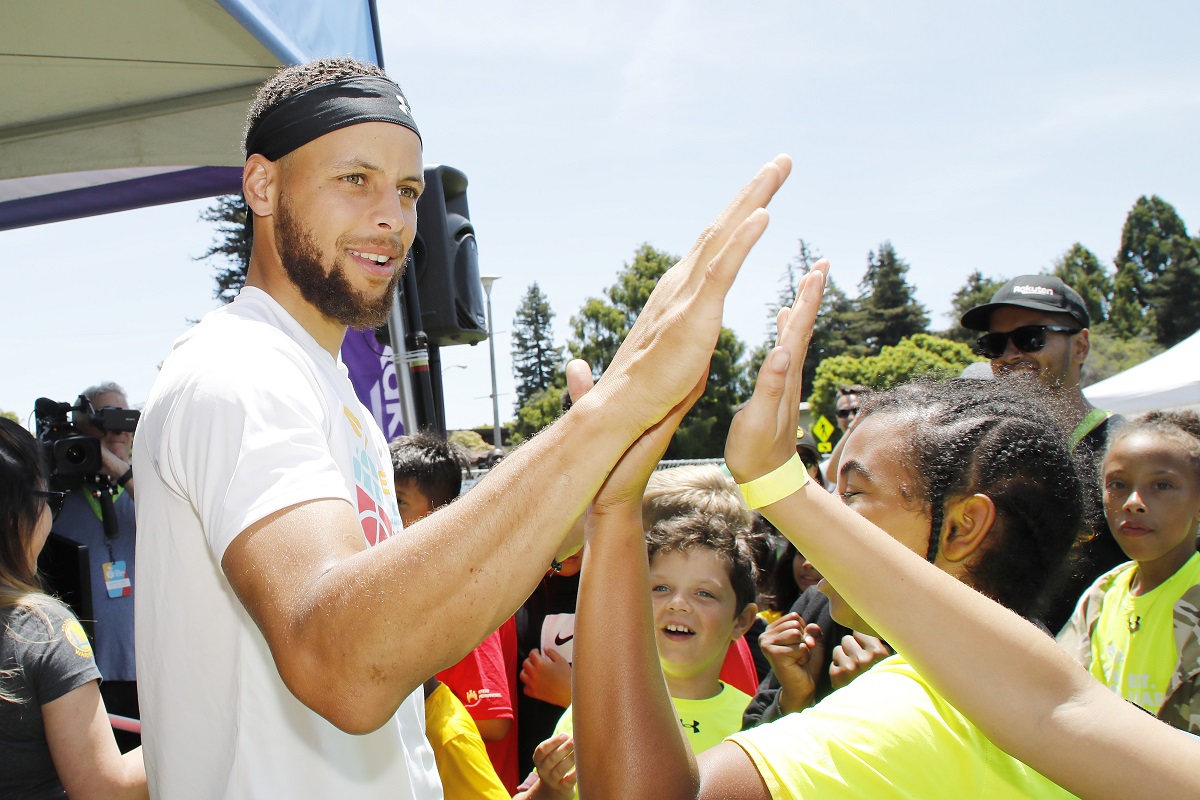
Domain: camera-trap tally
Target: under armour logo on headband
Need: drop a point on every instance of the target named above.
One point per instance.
(304, 116)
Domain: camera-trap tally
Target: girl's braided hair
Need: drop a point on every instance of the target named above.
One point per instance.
(1000, 439)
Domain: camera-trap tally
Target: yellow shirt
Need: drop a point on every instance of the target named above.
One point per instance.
(462, 760)
(1133, 644)
(706, 722)
(887, 735)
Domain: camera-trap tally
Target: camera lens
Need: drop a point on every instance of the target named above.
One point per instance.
(75, 455)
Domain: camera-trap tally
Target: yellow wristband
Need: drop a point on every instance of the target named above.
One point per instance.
(787, 479)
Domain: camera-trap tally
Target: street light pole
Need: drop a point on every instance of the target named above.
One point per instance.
(487, 281)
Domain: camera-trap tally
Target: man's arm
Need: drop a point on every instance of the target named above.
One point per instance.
(354, 631)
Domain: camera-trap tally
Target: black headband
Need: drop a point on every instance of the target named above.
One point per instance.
(299, 118)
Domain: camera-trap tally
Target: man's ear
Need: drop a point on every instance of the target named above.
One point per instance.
(1082, 345)
(967, 522)
(743, 622)
(260, 179)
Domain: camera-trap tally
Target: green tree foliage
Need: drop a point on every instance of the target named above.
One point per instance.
(600, 326)
(1081, 270)
(917, 355)
(975, 292)
(702, 432)
(536, 360)
(1111, 354)
(1158, 270)
(542, 408)
(234, 239)
(886, 299)
(841, 327)
(9, 415)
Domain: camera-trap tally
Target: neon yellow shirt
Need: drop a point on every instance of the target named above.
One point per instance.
(462, 760)
(705, 722)
(887, 734)
(1133, 645)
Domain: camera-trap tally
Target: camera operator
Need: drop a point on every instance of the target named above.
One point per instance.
(110, 558)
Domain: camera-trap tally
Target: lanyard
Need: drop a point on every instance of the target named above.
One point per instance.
(95, 504)
(1089, 424)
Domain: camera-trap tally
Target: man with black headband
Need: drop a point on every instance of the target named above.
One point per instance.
(286, 619)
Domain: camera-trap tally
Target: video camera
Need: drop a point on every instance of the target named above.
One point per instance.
(72, 456)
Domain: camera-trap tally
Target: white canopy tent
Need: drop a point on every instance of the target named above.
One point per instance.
(108, 106)
(1169, 380)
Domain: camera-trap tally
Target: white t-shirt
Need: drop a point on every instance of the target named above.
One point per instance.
(250, 415)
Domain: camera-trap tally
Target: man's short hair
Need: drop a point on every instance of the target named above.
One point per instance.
(290, 80)
(681, 490)
(856, 388)
(682, 534)
(434, 463)
(108, 387)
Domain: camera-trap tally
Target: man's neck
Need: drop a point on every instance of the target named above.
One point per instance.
(274, 281)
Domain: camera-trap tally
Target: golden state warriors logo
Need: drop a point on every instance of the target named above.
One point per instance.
(73, 633)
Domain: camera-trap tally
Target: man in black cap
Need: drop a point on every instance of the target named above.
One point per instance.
(1037, 324)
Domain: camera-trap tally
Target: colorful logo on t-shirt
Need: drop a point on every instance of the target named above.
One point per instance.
(375, 499)
(73, 633)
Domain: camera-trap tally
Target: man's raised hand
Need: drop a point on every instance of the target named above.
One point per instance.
(671, 344)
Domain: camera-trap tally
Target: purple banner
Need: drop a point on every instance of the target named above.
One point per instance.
(374, 377)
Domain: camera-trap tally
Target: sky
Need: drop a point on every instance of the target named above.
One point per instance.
(984, 136)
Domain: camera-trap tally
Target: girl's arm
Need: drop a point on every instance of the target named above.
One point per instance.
(85, 754)
(629, 743)
(1010, 679)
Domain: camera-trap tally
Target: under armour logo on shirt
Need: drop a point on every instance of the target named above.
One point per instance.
(403, 104)
(695, 726)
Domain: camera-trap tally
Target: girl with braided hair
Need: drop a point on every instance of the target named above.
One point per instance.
(945, 492)
(1137, 629)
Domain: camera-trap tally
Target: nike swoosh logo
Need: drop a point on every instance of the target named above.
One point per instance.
(561, 640)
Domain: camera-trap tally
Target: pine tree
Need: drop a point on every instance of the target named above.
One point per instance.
(1080, 269)
(235, 236)
(1157, 288)
(977, 291)
(888, 301)
(536, 360)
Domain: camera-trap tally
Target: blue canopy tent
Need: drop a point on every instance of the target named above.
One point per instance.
(129, 103)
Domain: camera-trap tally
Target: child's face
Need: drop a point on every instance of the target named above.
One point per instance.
(873, 483)
(1152, 499)
(413, 503)
(695, 612)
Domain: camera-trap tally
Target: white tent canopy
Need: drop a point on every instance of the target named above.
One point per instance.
(107, 106)
(1169, 380)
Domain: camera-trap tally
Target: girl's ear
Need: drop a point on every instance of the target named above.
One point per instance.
(968, 520)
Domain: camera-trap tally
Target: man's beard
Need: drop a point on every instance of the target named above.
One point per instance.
(329, 292)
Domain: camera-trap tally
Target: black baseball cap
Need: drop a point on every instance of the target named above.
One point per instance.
(805, 441)
(1039, 292)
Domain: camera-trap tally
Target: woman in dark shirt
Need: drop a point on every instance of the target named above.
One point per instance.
(55, 740)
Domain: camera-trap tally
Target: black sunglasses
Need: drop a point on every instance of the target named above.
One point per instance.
(54, 500)
(844, 413)
(1027, 339)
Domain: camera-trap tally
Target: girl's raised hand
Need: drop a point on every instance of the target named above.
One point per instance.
(763, 434)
